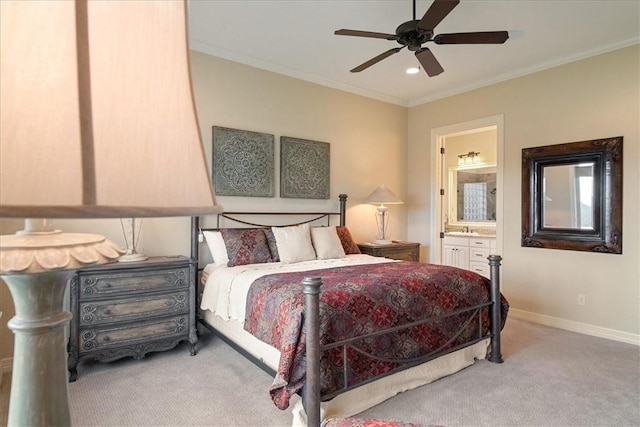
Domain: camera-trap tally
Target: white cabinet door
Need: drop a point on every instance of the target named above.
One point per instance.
(456, 256)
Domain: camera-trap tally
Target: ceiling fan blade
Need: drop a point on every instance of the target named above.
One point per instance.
(375, 60)
(436, 13)
(488, 37)
(371, 34)
(429, 62)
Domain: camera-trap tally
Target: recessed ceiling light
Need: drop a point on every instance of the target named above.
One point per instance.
(413, 70)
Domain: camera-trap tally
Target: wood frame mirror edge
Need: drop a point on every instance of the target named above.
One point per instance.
(607, 236)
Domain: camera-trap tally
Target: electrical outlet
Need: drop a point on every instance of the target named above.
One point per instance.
(582, 299)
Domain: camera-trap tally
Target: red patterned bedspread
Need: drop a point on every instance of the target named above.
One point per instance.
(361, 299)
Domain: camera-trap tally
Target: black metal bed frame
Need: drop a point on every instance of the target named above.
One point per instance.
(311, 287)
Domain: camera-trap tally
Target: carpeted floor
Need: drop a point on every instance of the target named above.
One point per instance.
(550, 377)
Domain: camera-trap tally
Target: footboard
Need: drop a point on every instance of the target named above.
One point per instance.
(311, 288)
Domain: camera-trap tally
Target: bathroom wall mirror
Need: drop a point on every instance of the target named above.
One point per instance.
(472, 195)
(572, 196)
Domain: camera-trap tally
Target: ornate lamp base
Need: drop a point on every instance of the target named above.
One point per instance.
(129, 230)
(382, 218)
(382, 242)
(134, 257)
(37, 265)
(39, 394)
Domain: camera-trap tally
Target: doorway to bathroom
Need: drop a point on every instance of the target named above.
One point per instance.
(467, 185)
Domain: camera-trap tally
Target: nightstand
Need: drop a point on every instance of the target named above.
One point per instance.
(405, 251)
(130, 309)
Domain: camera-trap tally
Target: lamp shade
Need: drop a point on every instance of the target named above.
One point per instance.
(382, 195)
(97, 111)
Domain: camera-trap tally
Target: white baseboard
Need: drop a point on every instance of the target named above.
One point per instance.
(582, 328)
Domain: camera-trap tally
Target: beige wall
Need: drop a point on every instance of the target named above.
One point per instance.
(367, 137)
(368, 148)
(593, 98)
(484, 142)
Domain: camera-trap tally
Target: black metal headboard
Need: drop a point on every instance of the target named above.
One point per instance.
(196, 230)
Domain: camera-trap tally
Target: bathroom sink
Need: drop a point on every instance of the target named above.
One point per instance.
(462, 233)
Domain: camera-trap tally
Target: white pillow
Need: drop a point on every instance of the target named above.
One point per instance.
(216, 245)
(294, 243)
(326, 242)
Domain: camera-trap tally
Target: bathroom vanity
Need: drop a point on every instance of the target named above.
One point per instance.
(468, 251)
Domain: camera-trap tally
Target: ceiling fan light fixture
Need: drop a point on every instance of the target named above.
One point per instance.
(413, 70)
(415, 33)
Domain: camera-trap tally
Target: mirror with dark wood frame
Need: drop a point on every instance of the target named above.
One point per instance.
(572, 196)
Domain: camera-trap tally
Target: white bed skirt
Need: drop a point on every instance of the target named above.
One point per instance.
(362, 398)
(235, 332)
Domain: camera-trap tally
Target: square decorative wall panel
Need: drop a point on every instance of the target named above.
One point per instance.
(243, 163)
(304, 168)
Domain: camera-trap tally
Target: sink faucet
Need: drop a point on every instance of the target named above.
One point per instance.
(465, 228)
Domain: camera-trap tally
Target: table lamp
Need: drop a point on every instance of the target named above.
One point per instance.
(131, 237)
(97, 121)
(382, 196)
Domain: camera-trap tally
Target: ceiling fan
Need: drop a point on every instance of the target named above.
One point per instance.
(413, 34)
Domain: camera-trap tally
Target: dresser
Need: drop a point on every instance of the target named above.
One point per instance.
(130, 309)
(405, 251)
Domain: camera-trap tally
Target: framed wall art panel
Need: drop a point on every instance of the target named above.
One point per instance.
(304, 168)
(243, 163)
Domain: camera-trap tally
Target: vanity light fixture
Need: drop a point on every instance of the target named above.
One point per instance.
(470, 157)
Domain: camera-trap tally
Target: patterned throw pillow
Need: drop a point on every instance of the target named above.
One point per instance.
(246, 246)
(349, 246)
(273, 246)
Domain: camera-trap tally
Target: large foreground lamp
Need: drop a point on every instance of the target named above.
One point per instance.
(97, 121)
(382, 196)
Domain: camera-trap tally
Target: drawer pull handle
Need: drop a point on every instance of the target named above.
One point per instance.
(106, 338)
(107, 311)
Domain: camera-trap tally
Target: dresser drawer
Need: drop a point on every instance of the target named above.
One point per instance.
(456, 241)
(480, 268)
(480, 243)
(405, 254)
(100, 284)
(403, 251)
(92, 339)
(479, 255)
(122, 310)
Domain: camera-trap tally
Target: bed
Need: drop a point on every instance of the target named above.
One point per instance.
(342, 329)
